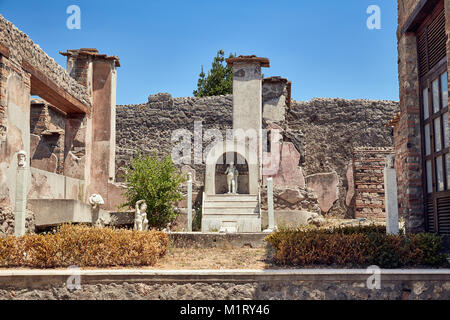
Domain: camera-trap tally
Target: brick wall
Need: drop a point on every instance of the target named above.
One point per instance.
(369, 181)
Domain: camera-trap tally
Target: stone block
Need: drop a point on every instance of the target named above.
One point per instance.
(54, 212)
(325, 185)
(292, 196)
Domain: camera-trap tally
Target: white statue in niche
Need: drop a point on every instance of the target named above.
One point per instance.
(232, 178)
(140, 217)
(22, 159)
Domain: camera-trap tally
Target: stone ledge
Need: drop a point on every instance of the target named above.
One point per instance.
(217, 240)
(10, 277)
(295, 284)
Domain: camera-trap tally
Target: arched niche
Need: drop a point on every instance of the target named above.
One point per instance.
(216, 157)
(241, 165)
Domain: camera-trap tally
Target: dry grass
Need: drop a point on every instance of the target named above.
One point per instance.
(83, 246)
(214, 258)
(203, 259)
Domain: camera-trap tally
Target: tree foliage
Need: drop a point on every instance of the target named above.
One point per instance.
(219, 80)
(157, 182)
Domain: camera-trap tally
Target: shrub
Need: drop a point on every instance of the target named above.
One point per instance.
(355, 246)
(219, 80)
(157, 182)
(197, 222)
(84, 247)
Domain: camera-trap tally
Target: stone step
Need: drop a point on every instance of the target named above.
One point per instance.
(228, 211)
(231, 204)
(231, 197)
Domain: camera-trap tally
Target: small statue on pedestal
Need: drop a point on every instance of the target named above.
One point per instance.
(96, 201)
(232, 178)
(22, 159)
(140, 217)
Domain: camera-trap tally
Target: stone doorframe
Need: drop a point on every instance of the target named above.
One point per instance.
(216, 152)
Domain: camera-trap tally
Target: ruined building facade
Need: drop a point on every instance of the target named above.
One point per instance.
(68, 134)
(77, 139)
(421, 129)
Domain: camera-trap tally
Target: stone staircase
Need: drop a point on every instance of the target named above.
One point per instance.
(231, 204)
(231, 213)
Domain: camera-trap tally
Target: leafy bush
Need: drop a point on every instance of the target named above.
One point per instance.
(84, 247)
(355, 246)
(157, 182)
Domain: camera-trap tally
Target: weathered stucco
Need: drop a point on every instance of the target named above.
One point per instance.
(16, 84)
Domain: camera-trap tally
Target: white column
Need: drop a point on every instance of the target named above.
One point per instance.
(20, 209)
(189, 203)
(390, 193)
(270, 209)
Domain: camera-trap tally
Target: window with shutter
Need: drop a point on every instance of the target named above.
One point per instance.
(433, 76)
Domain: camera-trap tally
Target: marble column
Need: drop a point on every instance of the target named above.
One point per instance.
(20, 209)
(391, 202)
(189, 203)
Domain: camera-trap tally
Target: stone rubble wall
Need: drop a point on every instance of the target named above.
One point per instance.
(407, 134)
(324, 131)
(405, 9)
(7, 221)
(226, 289)
(22, 47)
(149, 127)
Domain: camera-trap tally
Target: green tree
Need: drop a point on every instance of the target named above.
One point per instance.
(219, 80)
(157, 182)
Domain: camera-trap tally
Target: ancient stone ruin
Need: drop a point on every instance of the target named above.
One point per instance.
(78, 141)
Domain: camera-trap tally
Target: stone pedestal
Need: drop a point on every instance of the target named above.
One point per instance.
(270, 206)
(391, 202)
(20, 209)
(189, 203)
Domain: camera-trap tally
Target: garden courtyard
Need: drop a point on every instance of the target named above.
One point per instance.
(239, 192)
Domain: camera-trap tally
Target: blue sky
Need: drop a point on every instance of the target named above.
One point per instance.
(324, 47)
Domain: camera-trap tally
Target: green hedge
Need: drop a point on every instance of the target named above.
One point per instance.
(355, 247)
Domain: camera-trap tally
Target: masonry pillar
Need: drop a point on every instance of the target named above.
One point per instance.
(22, 185)
(103, 125)
(98, 73)
(77, 146)
(408, 161)
(270, 206)
(189, 203)
(390, 193)
(247, 99)
(14, 124)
